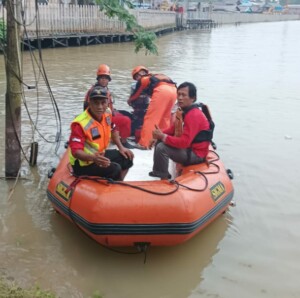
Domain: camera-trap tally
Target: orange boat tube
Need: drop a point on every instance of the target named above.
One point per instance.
(137, 213)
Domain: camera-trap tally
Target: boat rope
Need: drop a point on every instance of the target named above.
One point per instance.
(174, 182)
(108, 181)
(138, 251)
(203, 174)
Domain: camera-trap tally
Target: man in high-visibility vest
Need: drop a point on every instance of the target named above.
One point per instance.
(91, 133)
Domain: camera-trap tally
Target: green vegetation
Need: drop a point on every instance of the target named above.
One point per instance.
(11, 290)
(2, 33)
(142, 38)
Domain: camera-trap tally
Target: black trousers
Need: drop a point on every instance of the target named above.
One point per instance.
(118, 163)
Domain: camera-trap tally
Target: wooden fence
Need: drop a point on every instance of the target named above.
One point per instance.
(60, 19)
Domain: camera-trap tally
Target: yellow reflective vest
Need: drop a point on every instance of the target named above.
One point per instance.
(97, 135)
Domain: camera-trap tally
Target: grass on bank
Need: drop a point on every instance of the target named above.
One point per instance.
(11, 290)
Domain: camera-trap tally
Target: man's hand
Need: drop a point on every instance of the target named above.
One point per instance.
(152, 143)
(100, 160)
(157, 134)
(126, 153)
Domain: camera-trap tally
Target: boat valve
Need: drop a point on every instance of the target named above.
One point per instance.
(230, 174)
(142, 246)
(51, 172)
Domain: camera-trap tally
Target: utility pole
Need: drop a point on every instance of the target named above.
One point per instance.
(13, 91)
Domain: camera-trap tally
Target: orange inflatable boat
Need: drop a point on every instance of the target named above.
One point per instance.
(143, 213)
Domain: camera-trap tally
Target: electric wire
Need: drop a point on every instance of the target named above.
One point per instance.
(42, 73)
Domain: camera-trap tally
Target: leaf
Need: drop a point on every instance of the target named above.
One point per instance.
(143, 39)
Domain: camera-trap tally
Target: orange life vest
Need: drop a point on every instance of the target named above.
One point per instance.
(148, 83)
(97, 135)
(178, 123)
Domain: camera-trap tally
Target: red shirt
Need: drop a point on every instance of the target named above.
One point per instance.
(194, 122)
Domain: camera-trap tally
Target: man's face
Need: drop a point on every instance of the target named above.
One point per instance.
(183, 98)
(98, 106)
(103, 81)
(140, 74)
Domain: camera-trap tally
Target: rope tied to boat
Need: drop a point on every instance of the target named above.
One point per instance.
(108, 181)
(203, 174)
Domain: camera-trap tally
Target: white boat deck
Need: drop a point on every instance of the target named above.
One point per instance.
(142, 165)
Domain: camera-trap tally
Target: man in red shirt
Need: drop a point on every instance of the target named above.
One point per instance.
(184, 142)
(91, 132)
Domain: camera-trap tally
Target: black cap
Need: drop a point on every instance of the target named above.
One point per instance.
(98, 92)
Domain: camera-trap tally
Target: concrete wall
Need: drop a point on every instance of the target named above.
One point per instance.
(232, 18)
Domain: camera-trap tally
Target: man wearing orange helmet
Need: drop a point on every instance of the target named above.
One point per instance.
(122, 122)
(163, 93)
(139, 71)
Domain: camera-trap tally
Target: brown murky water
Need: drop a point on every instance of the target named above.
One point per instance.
(249, 76)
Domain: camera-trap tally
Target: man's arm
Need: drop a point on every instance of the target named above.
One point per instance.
(124, 151)
(141, 85)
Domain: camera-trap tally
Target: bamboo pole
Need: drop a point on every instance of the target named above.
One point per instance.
(13, 93)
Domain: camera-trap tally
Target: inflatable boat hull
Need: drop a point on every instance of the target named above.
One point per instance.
(142, 212)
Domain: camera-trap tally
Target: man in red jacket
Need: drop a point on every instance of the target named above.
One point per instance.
(187, 140)
(122, 122)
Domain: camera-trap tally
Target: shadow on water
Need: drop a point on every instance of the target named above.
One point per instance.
(123, 275)
(39, 246)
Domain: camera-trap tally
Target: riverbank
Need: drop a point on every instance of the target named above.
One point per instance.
(81, 25)
(11, 290)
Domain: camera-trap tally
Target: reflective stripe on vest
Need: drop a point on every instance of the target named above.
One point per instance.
(96, 144)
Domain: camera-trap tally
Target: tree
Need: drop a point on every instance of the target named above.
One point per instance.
(142, 38)
(2, 34)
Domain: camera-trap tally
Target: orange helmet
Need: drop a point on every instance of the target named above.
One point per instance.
(137, 69)
(103, 70)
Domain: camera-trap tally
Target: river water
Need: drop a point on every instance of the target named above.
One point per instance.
(249, 75)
